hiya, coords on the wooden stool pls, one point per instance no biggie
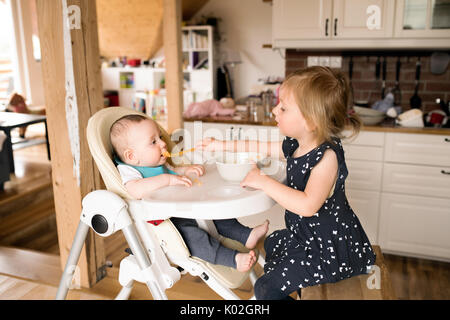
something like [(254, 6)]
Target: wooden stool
[(373, 286)]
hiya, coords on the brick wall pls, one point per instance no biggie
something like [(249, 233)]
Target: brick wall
[(366, 88)]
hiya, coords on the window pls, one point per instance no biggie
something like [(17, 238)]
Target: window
[(35, 31), (6, 50)]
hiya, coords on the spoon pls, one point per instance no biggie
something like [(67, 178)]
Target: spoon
[(178, 154)]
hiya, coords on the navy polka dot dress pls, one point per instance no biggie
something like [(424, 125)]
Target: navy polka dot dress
[(327, 247)]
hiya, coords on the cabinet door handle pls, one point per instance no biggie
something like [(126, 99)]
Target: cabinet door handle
[(335, 27), (231, 133), (326, 27), (445, 172)]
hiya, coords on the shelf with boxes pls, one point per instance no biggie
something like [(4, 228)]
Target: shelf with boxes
[(142, 88)]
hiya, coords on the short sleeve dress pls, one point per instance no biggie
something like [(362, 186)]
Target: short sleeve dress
[(327, 247)]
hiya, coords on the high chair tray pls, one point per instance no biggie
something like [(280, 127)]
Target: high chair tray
[(210, 197)]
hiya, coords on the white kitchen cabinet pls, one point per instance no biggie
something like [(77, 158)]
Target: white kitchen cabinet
[(364, 138), (417, 180), (261, 133), (302, 19), (197, 130), (366, 205), (357, 24), (364, 159), (422, 19), (332, 19), (414, 225), (356, 19), (366, 146), (364, 175), (418, 149), (415, 199)]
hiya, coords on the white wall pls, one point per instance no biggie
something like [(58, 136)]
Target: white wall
[(245, 26)]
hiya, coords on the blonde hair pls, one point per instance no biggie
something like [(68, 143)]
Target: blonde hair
[(323, 96)]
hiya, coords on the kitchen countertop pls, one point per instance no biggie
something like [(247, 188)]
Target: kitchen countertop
[(385, 126)]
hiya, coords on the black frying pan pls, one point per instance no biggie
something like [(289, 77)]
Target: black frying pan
[(416, 101)]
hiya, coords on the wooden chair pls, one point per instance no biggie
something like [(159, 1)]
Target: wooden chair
[(374, 286), (18, 104)]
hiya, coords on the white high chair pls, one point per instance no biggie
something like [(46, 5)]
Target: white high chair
[(155, 248)]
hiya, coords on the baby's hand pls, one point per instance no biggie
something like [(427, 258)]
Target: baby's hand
[(210, 144), (254, 178), (179, 180), (197, 169)]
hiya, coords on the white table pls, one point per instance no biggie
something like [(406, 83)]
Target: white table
[(212, 198)]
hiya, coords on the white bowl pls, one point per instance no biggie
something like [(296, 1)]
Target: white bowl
[(371, 121), (369, 116), (235, 166), (368, 112)]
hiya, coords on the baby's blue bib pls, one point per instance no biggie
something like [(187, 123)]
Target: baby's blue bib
[(148, 172)]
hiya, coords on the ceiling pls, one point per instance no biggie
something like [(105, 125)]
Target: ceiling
[(133, 28), (190, 7)]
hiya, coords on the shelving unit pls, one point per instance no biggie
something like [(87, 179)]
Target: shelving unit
[(198, 61), (198, 72)]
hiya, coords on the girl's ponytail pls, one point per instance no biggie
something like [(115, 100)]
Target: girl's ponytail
[(354, 121)]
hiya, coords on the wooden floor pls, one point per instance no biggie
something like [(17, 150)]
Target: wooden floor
[(29, 261)]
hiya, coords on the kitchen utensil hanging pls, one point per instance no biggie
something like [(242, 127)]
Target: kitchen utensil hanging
[(396, 92), (350, 76), (377, 74), (416, 101), (383, 85)]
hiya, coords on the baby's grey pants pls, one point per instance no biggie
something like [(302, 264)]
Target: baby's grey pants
[(206, 247)]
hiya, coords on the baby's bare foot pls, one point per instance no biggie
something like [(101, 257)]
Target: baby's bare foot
[(256, 234), (244, 261)]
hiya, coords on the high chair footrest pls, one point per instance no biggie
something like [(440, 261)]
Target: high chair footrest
[(129, 270), (229, 277)]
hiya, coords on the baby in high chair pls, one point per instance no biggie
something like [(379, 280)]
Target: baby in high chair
[(141, 161), (324, 241)]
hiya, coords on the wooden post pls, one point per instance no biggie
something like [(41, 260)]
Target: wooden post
[(173, 57), (73, 92)]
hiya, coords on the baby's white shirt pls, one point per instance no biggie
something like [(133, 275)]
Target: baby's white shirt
[(128, 173)]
